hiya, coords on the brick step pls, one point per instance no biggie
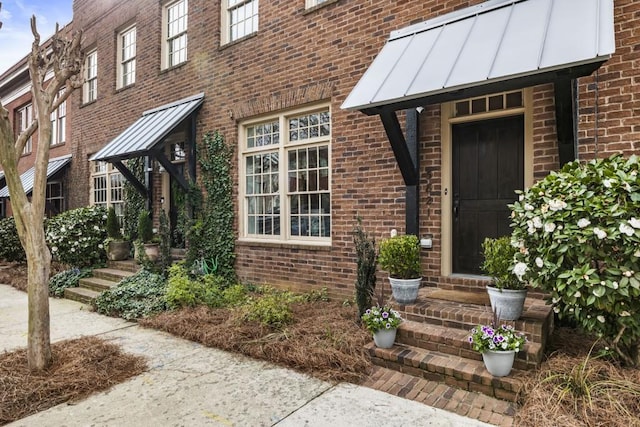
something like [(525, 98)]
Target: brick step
[(454, 341), (476, 284), (456, 371), (125, 265), (97, 284), (113, 274), (83, 295), (464, 310)]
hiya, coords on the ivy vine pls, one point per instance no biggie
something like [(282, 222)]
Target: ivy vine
[(134, 202), (211, 237)]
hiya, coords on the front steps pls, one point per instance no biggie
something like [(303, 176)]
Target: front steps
[(103, 278), (432, 343)]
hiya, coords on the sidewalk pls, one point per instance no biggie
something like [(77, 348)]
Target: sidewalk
[(188, 384)]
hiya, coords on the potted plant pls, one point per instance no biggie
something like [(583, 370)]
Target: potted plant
[(498, 346), (507, 292), (146, 238), (117, 248), (400, 257), (383, 322)]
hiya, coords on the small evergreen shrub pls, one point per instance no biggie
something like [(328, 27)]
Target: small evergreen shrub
[(234, 296), (145, 227), (66, 279), (76, 237), (499, 258), (10, 246), (186, 291), (400, 257), (366, 268), (272, 310), (113, 227), (136, 296)]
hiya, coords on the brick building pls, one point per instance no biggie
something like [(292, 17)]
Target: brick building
[(16, 97), (273, 76)]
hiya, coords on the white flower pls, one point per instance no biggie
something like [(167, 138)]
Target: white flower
[(549, 227), (62, 230), (521, 197), (625, 314), (95, 227), (637, 253), (54, 249), (583, 222), (600, 319), (625, 229), (520, 269), (556, 310), (614, 285), (537, 222), (607, 182), (539, 262), (528, 207), (577, 294), (627, 187), (556, 204), (628, 273), (600, 233), (544, 208), (100, 245), (634, 222), (531, 230)]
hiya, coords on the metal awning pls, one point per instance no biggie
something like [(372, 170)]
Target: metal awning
[(149, 130), (27, 177), (497, 45)]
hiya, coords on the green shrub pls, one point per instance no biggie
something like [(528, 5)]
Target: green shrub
[(366, 268), (234, 296), (186, 291), (67, 279), (137, 296), (578, 231), (145, 227), (113, 227), (10, 246), (499, 255), (76, 237), (273, 309), (400, 257)]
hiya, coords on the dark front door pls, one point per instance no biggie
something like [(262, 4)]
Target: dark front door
[(488, 166)]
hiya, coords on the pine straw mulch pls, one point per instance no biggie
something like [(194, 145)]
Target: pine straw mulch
[(15, 273), (574, 389), (80, 367), (323, 341)]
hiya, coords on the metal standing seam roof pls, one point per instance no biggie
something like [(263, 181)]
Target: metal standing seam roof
[(494, 41), (149, 129), (28, 177)]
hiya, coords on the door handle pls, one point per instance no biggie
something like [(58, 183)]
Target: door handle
[(456, 208)]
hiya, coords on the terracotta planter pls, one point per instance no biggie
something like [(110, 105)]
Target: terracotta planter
[(384, 338), (499, 363), (152, 250), (405, 291), (507, 303), (118, 250)]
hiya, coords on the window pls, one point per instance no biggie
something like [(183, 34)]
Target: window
[(286, 174), (240, 18), (24, 117), (90, 87), (3, 209), (489, 103), (107, 187), (54, 198), (59, 123), (312, 3), (127, 57), (175, 33)]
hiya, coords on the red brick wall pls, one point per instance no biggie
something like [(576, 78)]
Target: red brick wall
[(299, 57)]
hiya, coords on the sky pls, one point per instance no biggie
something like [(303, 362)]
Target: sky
[(15, 34)]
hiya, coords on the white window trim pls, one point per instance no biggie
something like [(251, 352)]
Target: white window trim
[(58, 122), (90, 86), (282, 149), (225, 25), (313, 3), (121, 62), (165, 34), (26, 117), (61, 197), (107, 173)]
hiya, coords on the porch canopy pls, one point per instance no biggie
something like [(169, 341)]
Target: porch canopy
[(27, 178), (146, 136)]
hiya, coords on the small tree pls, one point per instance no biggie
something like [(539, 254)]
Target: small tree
[(578, 234), (145, 227), (113, 226), (63, 59), (366, 268)]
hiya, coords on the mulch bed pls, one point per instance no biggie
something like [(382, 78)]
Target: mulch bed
[(80, 367), (324, 341), (15, 273)]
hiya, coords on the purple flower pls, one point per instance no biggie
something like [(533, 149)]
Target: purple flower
[(368, 311), (498, 339), (385, 315)]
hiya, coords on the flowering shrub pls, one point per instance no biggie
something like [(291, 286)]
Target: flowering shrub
[(503, 338), (10, 246), (578, 235), (76, 237), (377, 318)]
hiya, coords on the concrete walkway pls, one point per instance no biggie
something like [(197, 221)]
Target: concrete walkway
[(188, 384)]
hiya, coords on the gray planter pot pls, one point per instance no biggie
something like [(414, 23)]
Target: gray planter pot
[(499, 363), (384, 338), (405, 291), (507, 303), (118, 250)]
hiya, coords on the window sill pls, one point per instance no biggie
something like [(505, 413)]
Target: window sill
[(319, 6), (173, 67), (238, 41), (85, 104), (257, 243), (123, 88)]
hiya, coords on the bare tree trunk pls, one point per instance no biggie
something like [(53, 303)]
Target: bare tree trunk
[(39, 266)]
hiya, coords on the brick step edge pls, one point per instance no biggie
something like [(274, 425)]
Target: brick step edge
[(111, 274), (455, 342), (97, 284), (83, 295), (465, 374)]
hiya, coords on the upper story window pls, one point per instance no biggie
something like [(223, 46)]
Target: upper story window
[(23, 118), (240, 18), (285, 177), (127, 57), (312, 3), (90, 87), (59, 124), (175, 33)]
